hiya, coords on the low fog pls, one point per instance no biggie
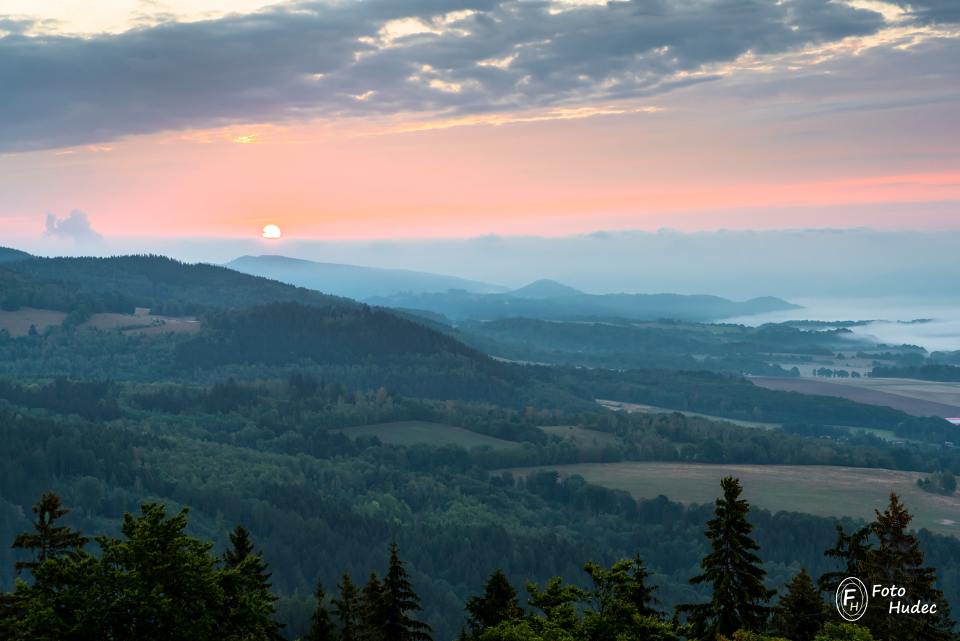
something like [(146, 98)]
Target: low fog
[(854, 263)]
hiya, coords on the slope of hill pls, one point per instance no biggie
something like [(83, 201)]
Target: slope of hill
[(545, 288), (546, 300), (121, 283), (9, 255), (352, 281)]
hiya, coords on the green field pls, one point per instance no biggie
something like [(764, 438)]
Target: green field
[(653, 409), (814, 489), (582, 437), (414, 432)]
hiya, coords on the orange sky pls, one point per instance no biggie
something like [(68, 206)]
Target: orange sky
[(812, 139)]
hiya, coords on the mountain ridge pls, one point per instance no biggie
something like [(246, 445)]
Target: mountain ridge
[(353, 281)]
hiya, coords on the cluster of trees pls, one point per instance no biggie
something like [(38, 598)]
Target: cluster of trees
[(943, 482), (157, 582), (736, 397), (621, 344), (153, 583), (826, 372)]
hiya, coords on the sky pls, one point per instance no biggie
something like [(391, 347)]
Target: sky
[(158, 122)]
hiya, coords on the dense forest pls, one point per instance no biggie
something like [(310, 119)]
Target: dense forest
[(668, 344), (155, 581), (247, 421)]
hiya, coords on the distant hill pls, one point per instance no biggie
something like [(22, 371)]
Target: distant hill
[(121, 283), (545, 288), (9, 255), (548, 300), (249, 327), (353, 281)]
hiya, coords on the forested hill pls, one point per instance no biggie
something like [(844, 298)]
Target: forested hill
[(8, 255), (118, 284)]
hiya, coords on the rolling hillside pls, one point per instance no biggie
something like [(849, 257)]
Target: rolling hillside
[(121, 283), (353, 281)]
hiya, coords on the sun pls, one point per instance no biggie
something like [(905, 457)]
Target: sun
[(271, 231)]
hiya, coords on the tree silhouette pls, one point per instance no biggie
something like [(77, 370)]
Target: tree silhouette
[(398, 601), (733, 570), (48, 540), (801, 612), (497, 604)]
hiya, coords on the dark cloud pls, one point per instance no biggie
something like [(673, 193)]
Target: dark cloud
[(75, 226), (312, 59), (933, 11)]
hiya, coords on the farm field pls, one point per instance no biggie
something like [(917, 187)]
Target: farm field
[(813, 489), (438, 434), (919, 398), (17, 323), (142, 323), (935, 391), (652, 409)]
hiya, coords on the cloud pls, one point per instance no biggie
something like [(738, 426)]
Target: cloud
[(75, 226), (314, 59)]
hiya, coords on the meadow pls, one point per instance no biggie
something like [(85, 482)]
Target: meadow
[(813, 489)]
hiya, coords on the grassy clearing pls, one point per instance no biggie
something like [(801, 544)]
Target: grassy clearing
[(653, 409), (814, 489), (583, 438), (423, 432)]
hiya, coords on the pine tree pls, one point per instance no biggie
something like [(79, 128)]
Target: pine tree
[(852, 551), (372, 610), (733, 570), (348, 609), (801, 612), (321, 628), (246, 578), (49, 540), (498, 604), (398, 601), (898, 560)]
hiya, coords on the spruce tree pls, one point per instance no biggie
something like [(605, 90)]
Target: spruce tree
[(372, 610), (48, 540), (321, 627), (620, 594), (398, 601), (733, 570), (898, 560), (801, 612), (498, 604), (348, 609), (246, 578), (852, 551)]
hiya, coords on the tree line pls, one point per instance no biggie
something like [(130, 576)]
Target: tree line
[(157, 583)]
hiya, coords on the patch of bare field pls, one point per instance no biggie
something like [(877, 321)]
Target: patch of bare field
[(142, 323), (864, 391), (935, 391), (18, 323)]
